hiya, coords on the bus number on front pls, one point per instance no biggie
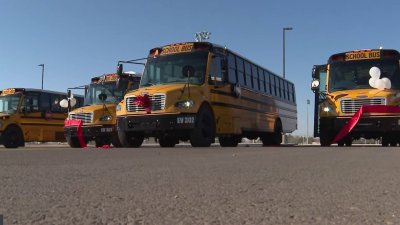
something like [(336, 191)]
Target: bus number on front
[(185, 120)]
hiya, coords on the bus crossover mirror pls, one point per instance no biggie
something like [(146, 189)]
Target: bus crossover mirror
[(315, 72), (188, 71), (120, 68), (315, 85), (102, 97)]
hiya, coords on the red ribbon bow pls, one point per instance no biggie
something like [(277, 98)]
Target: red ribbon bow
[(144, 102)]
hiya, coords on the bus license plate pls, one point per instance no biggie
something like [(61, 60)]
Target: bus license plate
[(106, 130), (185, 120)]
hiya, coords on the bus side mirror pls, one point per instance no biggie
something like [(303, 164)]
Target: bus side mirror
[(315, 72), (120, 68), (68, 93)]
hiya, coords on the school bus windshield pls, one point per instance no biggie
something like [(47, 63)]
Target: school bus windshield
[(355, 74), (9, 103), (167, 69), (110, 89)]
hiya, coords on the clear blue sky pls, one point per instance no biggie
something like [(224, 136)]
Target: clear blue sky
[(78, 39)]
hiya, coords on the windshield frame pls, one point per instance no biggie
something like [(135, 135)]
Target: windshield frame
[(356, 74), (13, 108), (167, 69)]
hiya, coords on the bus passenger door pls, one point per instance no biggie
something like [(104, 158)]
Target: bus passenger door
[(318, 86), (31, 121), (220, 93)]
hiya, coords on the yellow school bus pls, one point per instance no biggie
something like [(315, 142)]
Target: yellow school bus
[(349, 80), (28, 115), (196, 91), (98, 113)]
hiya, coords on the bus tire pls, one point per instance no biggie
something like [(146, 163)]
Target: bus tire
[(167, 142), (275, 138), (325, 139), (231, 141), (73, 142), (134, 140), (204, 132), (13, 137), (115, 141)]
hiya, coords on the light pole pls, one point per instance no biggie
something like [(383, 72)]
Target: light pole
[(308, 103), (284, 31), (42, 65)]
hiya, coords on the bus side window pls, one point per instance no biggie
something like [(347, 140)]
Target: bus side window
[(45, 102), (32, 102), (55, 103), (216, 73), (232, 69)]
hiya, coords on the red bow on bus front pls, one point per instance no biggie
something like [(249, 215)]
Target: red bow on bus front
[(144, 102)]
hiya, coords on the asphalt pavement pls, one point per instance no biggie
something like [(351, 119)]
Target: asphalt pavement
[(54, 184)]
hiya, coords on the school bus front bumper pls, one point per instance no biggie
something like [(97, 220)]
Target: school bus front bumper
[(91, 132), (150, 123)]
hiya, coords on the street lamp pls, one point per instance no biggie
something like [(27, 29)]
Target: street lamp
[(42, 65), (308, 103), (284, 30)]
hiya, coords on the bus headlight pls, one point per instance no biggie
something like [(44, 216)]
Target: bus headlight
[(118, 108), (327, 109), (105, 118), (184, 104)]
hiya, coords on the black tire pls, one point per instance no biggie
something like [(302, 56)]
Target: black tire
[(231, 141), (167, 142), (326, 138), (274, 138), (340, 143), (73, 142), (349, 142), (204, 132), (130, 140), (115, 141), (385, 141), (13, 137)]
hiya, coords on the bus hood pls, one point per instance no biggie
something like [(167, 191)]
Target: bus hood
[(163, 89), (95, 108), (4, 116)]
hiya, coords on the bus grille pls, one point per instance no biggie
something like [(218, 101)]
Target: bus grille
[(157, 103), (85, 117), (353, 105)]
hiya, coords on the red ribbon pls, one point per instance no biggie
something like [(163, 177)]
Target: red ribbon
[(346, 129), (144, 102), (79, 131)]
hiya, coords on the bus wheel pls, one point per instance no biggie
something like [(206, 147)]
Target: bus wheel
[(73, 142), (277, 136), (132, 140), (166, 142), (349, 142), (13, 137), (385, 141), (340, 143), (115, 141), (274, 138), (325, 139), (231, 141), (204, 132)]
